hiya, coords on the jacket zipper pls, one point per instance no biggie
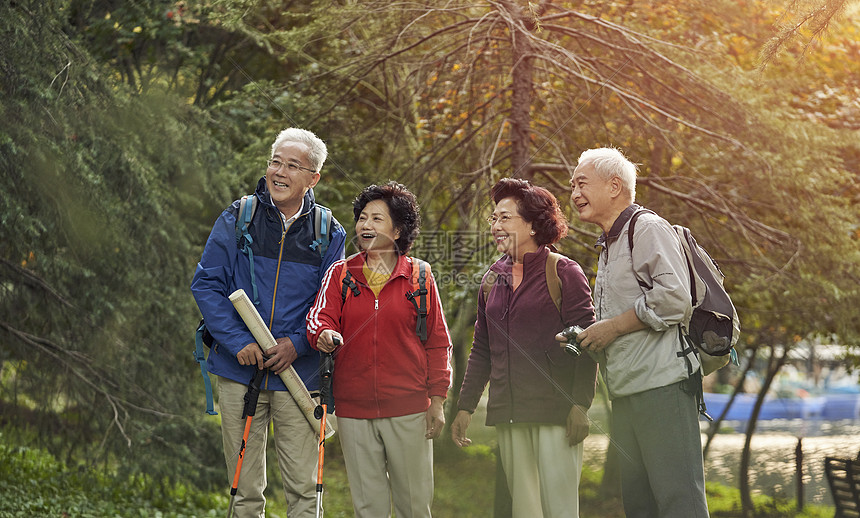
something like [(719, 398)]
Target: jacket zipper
[(509, 296), (275, 290)]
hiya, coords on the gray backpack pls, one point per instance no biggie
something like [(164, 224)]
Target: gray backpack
[(714, 327)]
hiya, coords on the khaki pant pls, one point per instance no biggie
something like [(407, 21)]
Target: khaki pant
[(543, 471), (295, 441), (388, 459)]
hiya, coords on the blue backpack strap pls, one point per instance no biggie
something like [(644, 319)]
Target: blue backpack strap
[(200, 357), (243, 222), (322, 217)]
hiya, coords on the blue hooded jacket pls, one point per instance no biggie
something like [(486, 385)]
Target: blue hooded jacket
[(288, 274)]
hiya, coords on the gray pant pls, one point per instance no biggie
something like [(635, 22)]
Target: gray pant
[(388, 460), (660, 450)]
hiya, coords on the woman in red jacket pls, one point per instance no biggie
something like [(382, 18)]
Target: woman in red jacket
[(539, 395), (389, 384)]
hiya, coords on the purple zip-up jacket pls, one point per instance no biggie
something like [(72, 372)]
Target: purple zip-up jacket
[(532, 380)]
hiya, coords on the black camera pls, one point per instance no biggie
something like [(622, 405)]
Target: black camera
[(572, 346)]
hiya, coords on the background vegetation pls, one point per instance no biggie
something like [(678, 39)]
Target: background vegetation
[(129, 126)]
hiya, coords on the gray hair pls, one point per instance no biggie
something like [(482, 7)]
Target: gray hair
[(608, 163), (317, 151)]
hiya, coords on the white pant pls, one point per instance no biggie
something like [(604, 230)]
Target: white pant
[(295, 441), (543, 471), (388, 459)]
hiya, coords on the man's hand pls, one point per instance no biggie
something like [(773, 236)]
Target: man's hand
[(325, 341), (251, 354), (458, 428), (281, 356), (435, 417), (577, 425), (600, 334)]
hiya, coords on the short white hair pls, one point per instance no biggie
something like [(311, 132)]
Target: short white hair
[(318, 151), (608, 163)]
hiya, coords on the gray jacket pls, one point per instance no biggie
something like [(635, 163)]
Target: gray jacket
[(648, 358)]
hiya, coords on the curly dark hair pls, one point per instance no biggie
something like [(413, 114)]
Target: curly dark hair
[(535, 205), (401, 204)]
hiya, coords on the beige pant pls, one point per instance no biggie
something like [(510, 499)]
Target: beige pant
[(295, 442), (542, 470), (388, 459)]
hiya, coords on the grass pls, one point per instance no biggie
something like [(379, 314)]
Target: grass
[(34, 483)]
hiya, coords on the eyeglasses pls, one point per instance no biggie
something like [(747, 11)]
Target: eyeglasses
[(504, 219), (291, 167)]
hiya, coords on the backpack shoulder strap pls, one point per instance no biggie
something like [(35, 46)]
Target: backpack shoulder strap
[(200, 358), (420, 272), (322, 222), (487, 284), (632, 226), (247, 208), (553, 282), (689, 246), (630, 229), (347, 282)]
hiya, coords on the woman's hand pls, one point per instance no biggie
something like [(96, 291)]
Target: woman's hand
[(577, 425), (325, 342), (435, 417), (458, 428)]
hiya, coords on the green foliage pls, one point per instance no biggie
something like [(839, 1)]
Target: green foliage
[(102, 191), (725, 502), (36, 484), (128, 127)]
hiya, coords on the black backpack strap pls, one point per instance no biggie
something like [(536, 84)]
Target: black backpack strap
[(421, 294), (630, 228), (687, 348), (694, 379), (348, 284), (694, 386)]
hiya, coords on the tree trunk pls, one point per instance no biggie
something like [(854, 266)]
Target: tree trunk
[(521, 102), (715, 426), (522, 72), (774, 365)]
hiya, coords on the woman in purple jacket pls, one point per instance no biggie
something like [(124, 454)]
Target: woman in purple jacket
[(539, 395)]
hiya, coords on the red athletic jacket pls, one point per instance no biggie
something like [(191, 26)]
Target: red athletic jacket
[(382, 369)]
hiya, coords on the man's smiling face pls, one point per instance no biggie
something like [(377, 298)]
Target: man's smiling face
[(590, 195), (288, 188)]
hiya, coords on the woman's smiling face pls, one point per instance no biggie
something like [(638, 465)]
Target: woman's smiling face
[(375, 229), (510, 231)]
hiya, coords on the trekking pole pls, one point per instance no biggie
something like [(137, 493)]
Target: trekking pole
[(326, 367), (248, 412)]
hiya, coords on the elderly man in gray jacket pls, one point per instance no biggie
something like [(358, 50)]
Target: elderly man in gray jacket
[(637, 342)]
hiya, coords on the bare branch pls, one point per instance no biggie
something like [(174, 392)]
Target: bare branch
[(34, 280)]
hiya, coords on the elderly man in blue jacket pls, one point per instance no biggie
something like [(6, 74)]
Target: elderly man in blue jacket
[(285, 276)]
